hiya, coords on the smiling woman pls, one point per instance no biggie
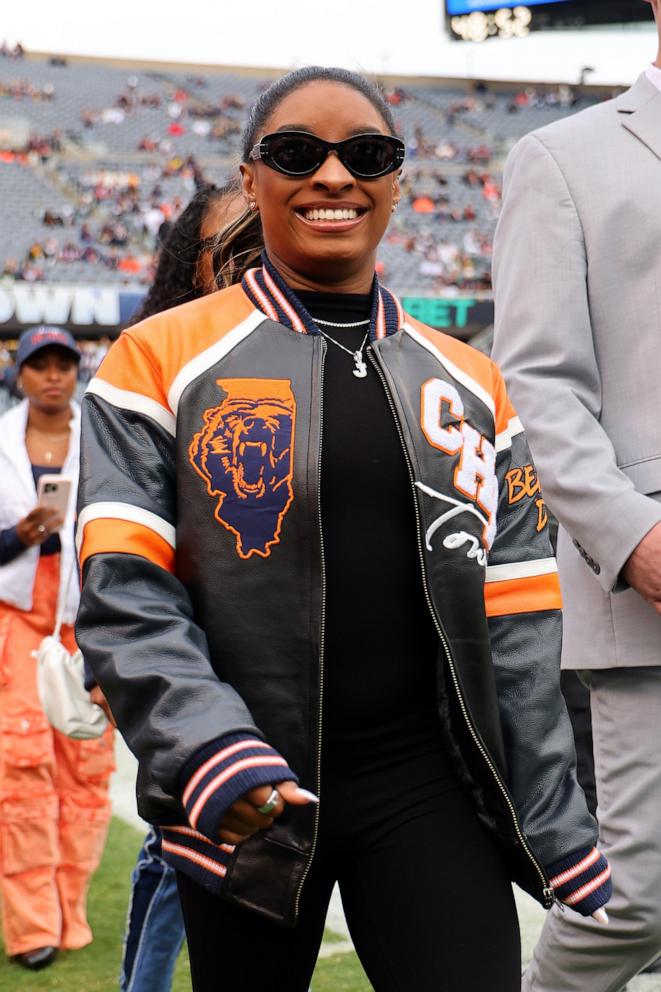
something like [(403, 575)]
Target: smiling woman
[(332, 180), (301, 572)]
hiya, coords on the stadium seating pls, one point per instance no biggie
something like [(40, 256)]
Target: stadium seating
[(112, 151)]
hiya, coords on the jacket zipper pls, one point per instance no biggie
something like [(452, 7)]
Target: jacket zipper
[(547, 891), (322, 633)]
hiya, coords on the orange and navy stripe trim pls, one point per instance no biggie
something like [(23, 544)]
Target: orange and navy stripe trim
[(189, 851), (270, 294), (222, 772), (189, 832), (582, 880), (280, 296)]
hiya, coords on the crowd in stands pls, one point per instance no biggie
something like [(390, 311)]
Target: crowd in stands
[(418, 145), (43, 255), (21, 89), (445, 263), (482, 99), (37, 149), (116, 222), (178, 130), (15, 52), (185, 108), (556, 96)]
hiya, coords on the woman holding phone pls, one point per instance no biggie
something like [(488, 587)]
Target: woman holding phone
[(54, 806), (325, 622)]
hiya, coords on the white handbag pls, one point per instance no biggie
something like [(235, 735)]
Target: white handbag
[(61, 684)]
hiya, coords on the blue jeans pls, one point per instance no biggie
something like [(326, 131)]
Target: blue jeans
[(154, 927)]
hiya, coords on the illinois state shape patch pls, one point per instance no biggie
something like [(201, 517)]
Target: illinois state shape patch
[(245, 454)]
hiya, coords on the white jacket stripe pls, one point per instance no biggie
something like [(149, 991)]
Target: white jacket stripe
[(457, 373), (520, 570), (504, 439), (210, 356), (125, 399)]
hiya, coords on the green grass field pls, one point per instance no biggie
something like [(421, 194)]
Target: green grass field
[(95, 968)]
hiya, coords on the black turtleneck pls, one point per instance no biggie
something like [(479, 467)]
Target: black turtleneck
[(381, 645)]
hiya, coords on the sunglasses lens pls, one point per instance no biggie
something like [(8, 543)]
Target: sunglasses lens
[(369, 155), (300, 154), (296, 155)]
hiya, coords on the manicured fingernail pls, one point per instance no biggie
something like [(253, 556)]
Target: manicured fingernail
[(601, 916), (308, 795)]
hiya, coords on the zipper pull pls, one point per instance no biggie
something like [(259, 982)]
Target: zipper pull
[(550, 899), (549, 896)]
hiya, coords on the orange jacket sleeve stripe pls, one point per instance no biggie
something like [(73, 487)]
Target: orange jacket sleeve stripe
[(525, 595), (104, 535)]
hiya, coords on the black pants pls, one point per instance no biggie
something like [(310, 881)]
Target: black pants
[(425, 893)]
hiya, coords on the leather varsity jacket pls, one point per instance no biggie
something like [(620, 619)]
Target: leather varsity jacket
[(202, 610)]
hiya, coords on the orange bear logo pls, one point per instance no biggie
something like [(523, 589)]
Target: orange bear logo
[(245, 454)]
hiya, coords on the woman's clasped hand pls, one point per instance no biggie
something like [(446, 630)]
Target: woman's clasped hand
[(244, 819)]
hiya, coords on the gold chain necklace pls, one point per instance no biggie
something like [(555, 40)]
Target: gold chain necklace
[(53, 440)]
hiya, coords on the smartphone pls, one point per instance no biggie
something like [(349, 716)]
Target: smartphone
[(53, 492)]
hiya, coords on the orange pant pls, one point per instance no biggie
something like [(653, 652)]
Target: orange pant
[(54, 806)]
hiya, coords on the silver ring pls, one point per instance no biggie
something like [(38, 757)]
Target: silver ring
[(41, 529), (270, 803)]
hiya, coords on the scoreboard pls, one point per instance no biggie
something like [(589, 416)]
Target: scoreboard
[(479, 20), (455, 7)]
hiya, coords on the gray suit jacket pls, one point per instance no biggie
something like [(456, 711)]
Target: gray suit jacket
[(577, 274)]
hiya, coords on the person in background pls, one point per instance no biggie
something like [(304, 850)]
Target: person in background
[(54, 807), (8, 377), (187, 267), (155, 927), (277, 598), (578, 320), (93, 353)]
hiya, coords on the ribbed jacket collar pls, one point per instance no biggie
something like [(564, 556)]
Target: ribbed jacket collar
[(269, 293)]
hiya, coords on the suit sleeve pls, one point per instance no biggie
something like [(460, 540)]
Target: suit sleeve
[(192, 733), (544, 345), (523, 607)]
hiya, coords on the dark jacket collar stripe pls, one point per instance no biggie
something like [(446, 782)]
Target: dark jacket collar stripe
[(269, 293), (257, 296), (286, 305)]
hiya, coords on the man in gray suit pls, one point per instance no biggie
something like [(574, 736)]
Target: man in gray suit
[(577, 274)]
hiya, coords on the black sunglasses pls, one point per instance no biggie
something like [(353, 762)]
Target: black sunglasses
[(297, 153)]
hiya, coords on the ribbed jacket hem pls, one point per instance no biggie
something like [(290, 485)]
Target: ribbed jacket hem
[(222, 772), (582, 880), (188, 851)]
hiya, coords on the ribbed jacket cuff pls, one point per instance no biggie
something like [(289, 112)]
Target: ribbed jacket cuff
[(223, 771), (582, 880)]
